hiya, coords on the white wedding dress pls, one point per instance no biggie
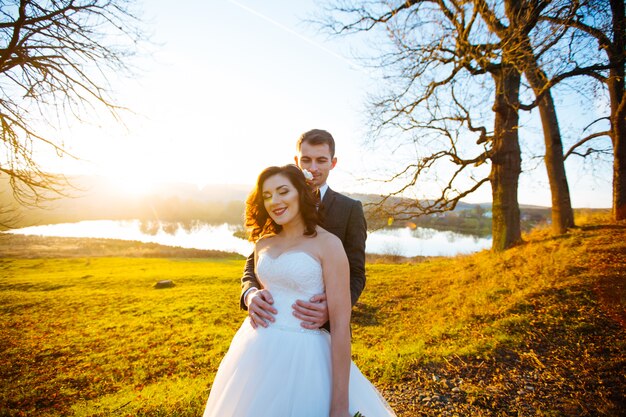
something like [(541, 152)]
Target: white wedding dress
[(284, 370)]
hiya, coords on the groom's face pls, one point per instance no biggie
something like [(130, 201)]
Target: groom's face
[(317, 160)]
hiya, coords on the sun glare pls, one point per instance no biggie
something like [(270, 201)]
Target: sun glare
[(133, 184)]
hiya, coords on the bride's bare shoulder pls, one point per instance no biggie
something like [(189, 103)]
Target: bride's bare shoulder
[(263, 242), (327, 238)]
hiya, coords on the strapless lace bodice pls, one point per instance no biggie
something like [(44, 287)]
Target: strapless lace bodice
[(291, 276)]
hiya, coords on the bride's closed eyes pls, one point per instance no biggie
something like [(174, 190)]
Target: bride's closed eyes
[(282, 190)]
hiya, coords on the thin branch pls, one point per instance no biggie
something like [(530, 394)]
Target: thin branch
[(583, 141)]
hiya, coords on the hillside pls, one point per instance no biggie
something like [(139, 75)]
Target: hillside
[(537, 330)]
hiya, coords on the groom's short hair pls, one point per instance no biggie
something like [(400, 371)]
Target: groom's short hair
[(317, 137)]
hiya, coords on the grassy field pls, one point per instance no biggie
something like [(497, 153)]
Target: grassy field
[(537, 330)]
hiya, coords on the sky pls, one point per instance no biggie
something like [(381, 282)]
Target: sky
[(227, 88)]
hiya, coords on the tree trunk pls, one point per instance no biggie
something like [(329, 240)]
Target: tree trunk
[(562, 213), (618, 133), (615, 83), (506, 160)]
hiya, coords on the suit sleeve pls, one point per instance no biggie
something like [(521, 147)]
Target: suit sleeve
[(356, 233), (248, 280)]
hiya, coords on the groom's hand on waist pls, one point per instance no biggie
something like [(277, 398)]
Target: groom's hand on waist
[(313, 313), (260, 309)]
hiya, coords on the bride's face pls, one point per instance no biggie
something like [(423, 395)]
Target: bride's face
[(281, 199)]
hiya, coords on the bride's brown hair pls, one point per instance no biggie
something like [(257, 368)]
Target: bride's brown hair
[(258, 221)]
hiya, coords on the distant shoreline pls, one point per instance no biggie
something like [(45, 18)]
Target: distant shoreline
[(34, 246)]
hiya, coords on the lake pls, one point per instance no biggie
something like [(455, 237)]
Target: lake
[(396, 241)]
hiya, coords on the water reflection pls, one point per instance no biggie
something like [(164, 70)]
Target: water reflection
[(153, 227), (225, 237), (423, 242), (186, 235)]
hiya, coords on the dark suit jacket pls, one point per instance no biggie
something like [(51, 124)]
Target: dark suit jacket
[(345, 219)]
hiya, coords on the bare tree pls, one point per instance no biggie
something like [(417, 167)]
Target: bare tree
[(442, 48), (56, 57), (505, 39), (605, 22), (526, 55)]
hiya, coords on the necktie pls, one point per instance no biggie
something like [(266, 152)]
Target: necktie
[(318, 198)]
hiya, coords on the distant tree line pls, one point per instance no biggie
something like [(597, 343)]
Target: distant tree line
[(162, 211), (475, 221), (154, 209)]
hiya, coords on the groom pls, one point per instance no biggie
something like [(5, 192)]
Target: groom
[(343, 217)]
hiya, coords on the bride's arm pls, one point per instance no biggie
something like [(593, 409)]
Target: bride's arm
[(260, 300), (336, 272)]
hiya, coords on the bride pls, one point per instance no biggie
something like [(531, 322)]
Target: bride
[(284, 370)]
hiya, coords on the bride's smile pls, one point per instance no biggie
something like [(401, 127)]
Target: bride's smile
[(279, 212)]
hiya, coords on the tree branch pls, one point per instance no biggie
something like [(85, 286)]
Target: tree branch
[(583, 141)]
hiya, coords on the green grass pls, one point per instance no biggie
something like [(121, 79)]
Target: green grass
[(89, 336), (92, 337)]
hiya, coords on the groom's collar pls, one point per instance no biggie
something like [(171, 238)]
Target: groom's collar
[(323, 190)]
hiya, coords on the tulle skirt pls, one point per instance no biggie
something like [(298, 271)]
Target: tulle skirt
[(284, 372)]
